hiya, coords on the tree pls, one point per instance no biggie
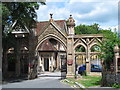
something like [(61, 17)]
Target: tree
[(23, 12), (87, 29), (107, 47)]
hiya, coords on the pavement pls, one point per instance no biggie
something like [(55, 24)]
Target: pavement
[(45, 80)]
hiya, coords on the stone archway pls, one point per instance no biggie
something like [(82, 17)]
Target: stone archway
[(52, 56), (80, 55), (40, 41), (94, 54), (54, 29), (87, 41)]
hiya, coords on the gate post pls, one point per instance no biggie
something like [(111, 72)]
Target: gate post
[(70, 49), (88, 66), (70, 58)]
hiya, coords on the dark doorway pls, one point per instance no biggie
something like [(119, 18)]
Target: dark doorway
[(46, 64), (63, 66), (11, 62), (24, 65)]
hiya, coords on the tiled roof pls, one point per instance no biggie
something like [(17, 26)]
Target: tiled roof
[(46, 46), (41, 25)]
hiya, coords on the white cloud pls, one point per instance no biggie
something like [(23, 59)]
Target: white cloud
[(113, 28), (83, 11), (71, 1), (55, 1)]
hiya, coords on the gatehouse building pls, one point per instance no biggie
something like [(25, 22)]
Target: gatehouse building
[(52, 45)]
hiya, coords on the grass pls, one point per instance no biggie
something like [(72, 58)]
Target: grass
[(88, 81), (71, 83)]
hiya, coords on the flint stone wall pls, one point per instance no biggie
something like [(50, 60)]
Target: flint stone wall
[(112, 78)]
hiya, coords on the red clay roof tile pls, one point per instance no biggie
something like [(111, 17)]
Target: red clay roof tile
[(41, 25)]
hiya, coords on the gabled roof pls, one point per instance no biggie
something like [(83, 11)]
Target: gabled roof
[(58, 23), (46, 46), (22, 28)]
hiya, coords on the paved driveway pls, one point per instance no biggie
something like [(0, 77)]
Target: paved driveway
[(47, 80)]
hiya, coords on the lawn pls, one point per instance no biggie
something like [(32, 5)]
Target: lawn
[(87, 81)]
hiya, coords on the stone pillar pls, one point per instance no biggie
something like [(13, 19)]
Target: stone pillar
[(70, 48), (53, 65), (116, 56), (43, 64), (60, 63), (88, 66), (39, 63), (49, 64), (58, 59), (70, 57)]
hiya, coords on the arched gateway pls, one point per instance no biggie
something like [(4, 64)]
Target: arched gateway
[(56, 40)]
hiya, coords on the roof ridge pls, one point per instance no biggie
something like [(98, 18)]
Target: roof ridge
[(48, 21)]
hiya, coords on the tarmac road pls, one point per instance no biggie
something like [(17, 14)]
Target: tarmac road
[(47, 80)]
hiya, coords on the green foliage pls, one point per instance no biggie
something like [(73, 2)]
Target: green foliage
[(116, 85), (95, 48), (5, 13), (87, 29), (23, 12), (80, 49), (107, 47)]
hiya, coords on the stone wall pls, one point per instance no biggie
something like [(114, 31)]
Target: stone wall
[(110, 78)]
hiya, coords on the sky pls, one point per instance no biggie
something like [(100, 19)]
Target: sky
[(88, 12)]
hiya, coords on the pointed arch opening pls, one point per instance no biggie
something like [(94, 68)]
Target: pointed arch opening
[(80, 48), (80, 54), (50, 53), (95, 48), (94, 58)]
